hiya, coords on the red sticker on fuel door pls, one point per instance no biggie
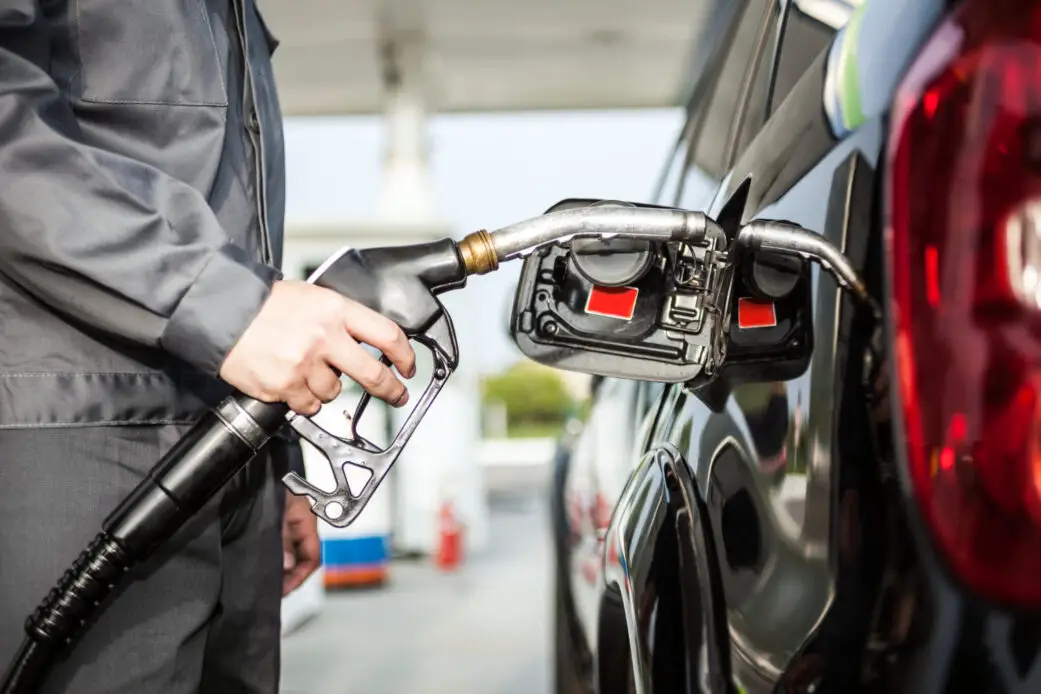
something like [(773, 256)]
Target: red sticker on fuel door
[(755, 314), (614, 302)]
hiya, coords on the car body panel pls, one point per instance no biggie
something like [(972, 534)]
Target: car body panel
[(785, 515), (790, 572), (767, 465)]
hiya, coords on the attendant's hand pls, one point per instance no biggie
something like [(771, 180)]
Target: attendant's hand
[(301, 548), (302, 336)]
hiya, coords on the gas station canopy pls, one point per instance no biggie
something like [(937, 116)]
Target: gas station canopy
[(339, 57)]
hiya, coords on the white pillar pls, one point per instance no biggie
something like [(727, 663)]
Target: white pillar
[(406, 195)]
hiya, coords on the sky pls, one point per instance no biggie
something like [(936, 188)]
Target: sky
[(487, 171)]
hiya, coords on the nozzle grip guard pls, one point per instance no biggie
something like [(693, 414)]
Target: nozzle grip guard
[(401, 283)]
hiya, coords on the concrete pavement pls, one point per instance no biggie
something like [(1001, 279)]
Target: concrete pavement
[(482, 630)]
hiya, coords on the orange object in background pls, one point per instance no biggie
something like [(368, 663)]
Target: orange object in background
[(363, 577), (449, 552)]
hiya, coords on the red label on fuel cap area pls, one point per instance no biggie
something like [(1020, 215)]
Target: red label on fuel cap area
[(613, 302), (755, 314)]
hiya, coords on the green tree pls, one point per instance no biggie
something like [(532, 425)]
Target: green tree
[(536, 399)]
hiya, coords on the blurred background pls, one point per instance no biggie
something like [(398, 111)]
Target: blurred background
[(420, 119)]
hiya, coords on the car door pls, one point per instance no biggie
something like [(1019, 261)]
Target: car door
[(770, 535)]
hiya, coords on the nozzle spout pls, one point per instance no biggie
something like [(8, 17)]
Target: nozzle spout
[(483, 251)]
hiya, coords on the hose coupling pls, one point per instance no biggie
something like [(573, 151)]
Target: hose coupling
[(478, 253)]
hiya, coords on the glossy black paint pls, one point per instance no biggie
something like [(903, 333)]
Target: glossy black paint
[(795, 556), (778, 465)]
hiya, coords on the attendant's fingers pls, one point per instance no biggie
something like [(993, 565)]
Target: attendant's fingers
[(367, 371)]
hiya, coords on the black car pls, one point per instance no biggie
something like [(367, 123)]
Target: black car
[(852, 510)]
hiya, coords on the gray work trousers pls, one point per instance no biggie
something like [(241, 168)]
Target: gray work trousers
[(202, 615)]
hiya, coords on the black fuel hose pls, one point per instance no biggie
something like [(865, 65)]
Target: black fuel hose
[(179, 485)]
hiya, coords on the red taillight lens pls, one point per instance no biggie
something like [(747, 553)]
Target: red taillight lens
[(964, 249)]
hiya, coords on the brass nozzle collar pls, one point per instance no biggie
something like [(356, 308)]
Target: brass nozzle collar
[(478, 253)]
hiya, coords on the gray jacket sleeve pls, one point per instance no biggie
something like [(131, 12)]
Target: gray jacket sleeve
[(106, 240)]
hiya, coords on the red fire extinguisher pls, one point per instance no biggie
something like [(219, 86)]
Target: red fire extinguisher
[(450, 539)]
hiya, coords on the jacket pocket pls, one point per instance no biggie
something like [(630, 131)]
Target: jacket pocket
[(147, 52)]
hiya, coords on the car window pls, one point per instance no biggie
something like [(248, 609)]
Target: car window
[(672, 172), (711, 143), (711, 120), (752, 114), (695, 185), (809, 28)]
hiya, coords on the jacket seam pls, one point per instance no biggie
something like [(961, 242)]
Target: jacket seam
[(148, 102)]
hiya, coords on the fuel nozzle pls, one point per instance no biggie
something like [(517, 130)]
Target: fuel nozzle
[(594, 232), (791, 240)]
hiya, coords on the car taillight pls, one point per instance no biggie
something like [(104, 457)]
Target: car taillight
[(964, 252)]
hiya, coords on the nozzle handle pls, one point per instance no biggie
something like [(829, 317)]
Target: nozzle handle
[(399, 282)]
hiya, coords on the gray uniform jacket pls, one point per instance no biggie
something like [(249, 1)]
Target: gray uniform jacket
[(141, 204)]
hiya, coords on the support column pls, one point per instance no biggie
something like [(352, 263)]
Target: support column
[(406, 194)]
